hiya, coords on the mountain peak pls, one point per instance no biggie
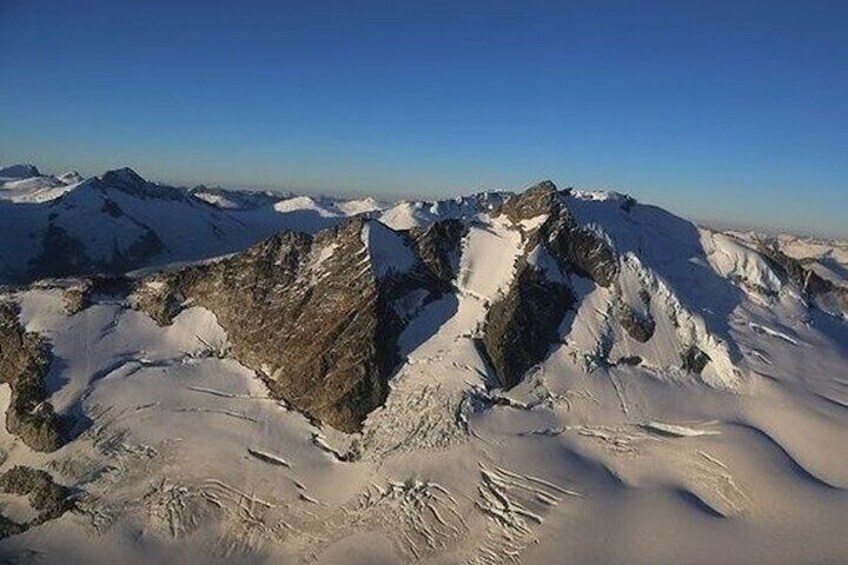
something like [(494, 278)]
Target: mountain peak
[(123, 178), (128, 181), (545, 186), (23, 171), (541, 198)]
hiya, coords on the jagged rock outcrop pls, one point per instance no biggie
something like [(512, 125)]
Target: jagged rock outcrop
[(804, 278), (24, 362), (79, 293), (638, 326), (45, 496), (318, 317), (521, 326), (637, 319), (71, 177), (536, 201), (438, 247), (576, 248), (694, 360)]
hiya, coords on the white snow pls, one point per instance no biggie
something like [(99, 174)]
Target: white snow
[(33, 190), (387, 249), (488, 259), (731, 259), (299, 203), (678, 430)]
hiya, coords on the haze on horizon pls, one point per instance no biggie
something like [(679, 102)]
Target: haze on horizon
[(725, 113)]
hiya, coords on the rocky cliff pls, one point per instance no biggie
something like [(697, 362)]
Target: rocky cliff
[(319, 316)]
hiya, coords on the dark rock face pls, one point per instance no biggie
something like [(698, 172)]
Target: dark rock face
[(629, 360), (807, 280), (78, 297), (24, 361), (10, 527), (638, 326), (576, 249), (535, 201), (694, 360), (49, 499), (585, 253), (521, 326), (311, 314), (438, 246), (111, 208)]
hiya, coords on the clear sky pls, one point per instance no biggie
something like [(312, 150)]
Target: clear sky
[(730, 111)]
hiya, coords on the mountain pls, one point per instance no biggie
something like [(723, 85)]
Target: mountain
[(19, 172), (497, 378), (60, 226)]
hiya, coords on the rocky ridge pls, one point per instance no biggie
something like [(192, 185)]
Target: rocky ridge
[(24, 361), (318, 317)]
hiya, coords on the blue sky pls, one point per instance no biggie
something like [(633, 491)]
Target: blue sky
[(729, 111)]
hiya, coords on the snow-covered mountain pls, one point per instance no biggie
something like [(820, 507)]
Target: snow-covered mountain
[(59, 226), (499, 378)]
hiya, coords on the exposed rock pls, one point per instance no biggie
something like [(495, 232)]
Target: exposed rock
[(71, 177), (49, 499), (313, 315), (520, 327), (24, 361), (575, 248), (438, 246), (630, 360), (581, 250), (61, 255), (78, 296), (638, 326), (807, 280), (140, 252), (111, 208), (627, 202), (10, 527), (533, 202), (694, 360)]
